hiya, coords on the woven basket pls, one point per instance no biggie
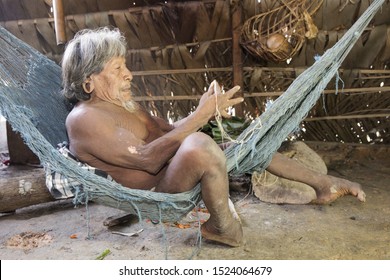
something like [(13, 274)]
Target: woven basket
[(278, 35)]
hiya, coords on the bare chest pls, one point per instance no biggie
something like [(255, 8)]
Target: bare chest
[(142, 126)]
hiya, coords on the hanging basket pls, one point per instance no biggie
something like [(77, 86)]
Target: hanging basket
[(278, 35)]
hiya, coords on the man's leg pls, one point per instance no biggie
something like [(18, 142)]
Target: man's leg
[(199, 159), (328, 188)]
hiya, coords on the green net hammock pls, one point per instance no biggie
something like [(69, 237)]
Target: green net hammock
[(30, 100)]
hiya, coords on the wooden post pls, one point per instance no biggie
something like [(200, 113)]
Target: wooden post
[(236, 9), (59, 21), (19, 152)]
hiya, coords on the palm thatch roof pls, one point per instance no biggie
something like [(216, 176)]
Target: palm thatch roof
[(176, 48)]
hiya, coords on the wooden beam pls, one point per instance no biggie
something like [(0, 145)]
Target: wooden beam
[(59, 22), (327, 91), (347, 117), (180, 71), (236, 8), (193, 44), (166, 98), (261, 94), (386, 73)]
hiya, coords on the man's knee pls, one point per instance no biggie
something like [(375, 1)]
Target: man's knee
[(201, 146)]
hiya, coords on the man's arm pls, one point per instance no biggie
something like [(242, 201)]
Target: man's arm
[(217, 98)]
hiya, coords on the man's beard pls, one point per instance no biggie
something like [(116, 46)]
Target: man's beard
[(130, 106)]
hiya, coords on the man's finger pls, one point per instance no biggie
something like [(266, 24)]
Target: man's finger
[(217, 88), (235, 101), (232, 91), (212, 85)]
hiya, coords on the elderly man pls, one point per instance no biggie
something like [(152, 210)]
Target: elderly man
[(111, 132)]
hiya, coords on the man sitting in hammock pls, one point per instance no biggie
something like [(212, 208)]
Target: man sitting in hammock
[(111, 132)]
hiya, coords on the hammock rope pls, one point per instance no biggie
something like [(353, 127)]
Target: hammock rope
[(30, 100)]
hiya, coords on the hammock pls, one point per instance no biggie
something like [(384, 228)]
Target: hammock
[(29, 99)]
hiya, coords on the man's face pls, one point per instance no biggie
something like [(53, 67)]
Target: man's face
[(113, 83)]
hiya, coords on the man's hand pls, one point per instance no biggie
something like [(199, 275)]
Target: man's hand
[(215, 100)]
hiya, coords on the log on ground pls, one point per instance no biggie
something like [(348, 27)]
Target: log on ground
[(22, 186)]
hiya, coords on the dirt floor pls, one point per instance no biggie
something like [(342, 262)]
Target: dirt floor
[(345, 229)]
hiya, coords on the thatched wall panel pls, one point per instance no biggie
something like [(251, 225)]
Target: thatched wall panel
[(203, 55), (177, 16), (25, 32), (96, 20), (165, 87), (74, 24), (94, 6), (362, 130), (385, 55), (23, 9), (156, 27), (47, 37), (133, 38), (215, 26), (221, 21), (148, 34), (33, 9), (179, 39), (367, 49), (203, 24)]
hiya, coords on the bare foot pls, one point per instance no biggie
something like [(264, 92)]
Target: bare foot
[(337, 187), (231, 234)]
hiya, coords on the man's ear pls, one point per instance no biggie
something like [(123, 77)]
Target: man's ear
[(88, 85)]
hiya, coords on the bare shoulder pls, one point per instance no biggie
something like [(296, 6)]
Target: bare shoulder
[(85, 117)]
